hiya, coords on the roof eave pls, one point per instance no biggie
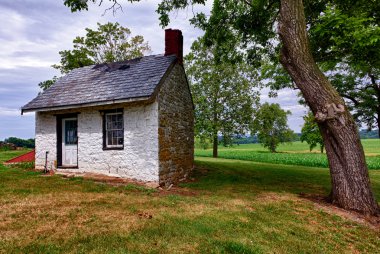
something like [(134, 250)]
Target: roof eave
[(83, 105)]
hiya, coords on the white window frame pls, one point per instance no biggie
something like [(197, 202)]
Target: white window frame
[(107, 146)]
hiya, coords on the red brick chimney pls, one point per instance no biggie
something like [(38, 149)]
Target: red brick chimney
[(174, 44)]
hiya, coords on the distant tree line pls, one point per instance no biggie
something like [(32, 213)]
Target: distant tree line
[(19, 142), (365, 134)]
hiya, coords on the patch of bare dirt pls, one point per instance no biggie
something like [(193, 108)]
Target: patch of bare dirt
[(272, 197), (117, 181), (176, 191), (112, 180), (145, 215), (322, 203)]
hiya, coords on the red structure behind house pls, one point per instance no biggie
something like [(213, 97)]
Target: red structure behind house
[(27, 157)]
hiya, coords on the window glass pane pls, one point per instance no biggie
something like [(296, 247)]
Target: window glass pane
[(71, 134), (109, 138), (114, 125), (114, 129), (108, 122)]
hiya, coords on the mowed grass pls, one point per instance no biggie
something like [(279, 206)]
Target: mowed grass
[(295, 153), (230, 207)]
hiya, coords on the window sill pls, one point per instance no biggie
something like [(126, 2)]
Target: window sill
[(67, 167), (113, 148)]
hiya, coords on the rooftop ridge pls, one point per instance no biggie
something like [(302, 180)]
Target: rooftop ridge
[(134, 78)]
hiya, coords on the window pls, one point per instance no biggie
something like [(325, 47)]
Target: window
[(113, 130), (71, 135)]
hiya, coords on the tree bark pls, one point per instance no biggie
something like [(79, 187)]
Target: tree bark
[(378, 109), (215, 137), (215, 146), (349, 174), (377, 91)]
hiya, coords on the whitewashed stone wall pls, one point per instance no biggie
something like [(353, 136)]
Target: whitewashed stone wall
[(139, 158), (46, 140)]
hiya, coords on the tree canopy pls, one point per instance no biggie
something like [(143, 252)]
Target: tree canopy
[(271, 126), (223, 95), (47, 83), (110, 42), (310, 133), (345, 45)]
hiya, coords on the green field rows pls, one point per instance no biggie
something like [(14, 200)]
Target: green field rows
[(296, 153)]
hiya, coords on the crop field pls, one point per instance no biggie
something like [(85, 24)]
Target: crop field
[(295, 153)]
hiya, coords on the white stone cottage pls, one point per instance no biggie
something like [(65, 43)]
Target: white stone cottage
[(131, 119)]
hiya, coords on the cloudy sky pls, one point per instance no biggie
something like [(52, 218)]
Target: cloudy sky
[(34, 31)]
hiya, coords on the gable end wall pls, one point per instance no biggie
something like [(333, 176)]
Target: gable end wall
[(176, 128)]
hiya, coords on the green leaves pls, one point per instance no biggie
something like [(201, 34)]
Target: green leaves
[(109, 43), (310, 133), (222, 92), (47, 83), (271, 126), (77, 5), (339, 36)]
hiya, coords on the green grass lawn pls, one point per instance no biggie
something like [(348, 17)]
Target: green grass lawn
[(295, 153), (231, 207)]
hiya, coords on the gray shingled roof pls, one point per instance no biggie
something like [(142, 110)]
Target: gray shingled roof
[(132, 79)]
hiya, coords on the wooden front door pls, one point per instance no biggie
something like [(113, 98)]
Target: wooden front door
[(69, 142)]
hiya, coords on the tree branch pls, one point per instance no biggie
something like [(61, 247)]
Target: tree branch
[(247, 2), (115, 7), (351, 98)]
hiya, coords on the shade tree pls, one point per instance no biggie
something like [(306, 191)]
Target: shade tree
[(259, 23)]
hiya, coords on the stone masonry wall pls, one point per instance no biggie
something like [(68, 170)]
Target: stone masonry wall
[(139, 158), (46, 140), (176, 128)]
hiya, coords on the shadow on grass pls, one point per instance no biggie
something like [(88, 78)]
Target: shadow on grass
[(246, 178), (243, 177)]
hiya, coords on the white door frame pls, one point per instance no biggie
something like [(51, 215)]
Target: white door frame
[(75, 162)]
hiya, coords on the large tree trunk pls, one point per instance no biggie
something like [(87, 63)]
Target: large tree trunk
[(349, 174)]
